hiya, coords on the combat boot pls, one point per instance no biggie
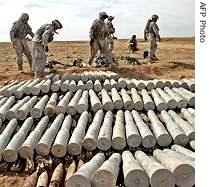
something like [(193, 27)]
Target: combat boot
[(152, 60), (37, 77), (20, 69), (89, 63), (155, 58)]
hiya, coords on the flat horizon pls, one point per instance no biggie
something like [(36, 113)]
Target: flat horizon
[(169, 37)]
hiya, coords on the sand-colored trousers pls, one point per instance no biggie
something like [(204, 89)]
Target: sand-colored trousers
[(39, 58), (20, 49), (152, 47), (102, 46)]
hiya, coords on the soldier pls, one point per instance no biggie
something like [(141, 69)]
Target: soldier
[(18, 33), (40, 41), (98, 37), (132, 44), (153, 33), (111, 28)]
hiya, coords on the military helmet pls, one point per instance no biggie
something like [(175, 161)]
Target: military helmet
[(110, 17), (103, 14), (57, 24), (154, 16), (24, 16), (134, 36)]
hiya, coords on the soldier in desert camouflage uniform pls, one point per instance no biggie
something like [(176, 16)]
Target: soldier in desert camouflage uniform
[(153, 33), (133, 44), (18, 33), (98, 38), (40, 41), (111, 28)]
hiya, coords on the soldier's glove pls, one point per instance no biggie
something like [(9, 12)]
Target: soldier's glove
[(91, 42), (145, 36), (46, 49), (14, 44), (159, 39)]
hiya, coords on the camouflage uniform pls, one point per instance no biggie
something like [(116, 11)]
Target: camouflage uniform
[(111, 32), (153, 32), (40, 41), (146, 29), (132, 44), (18, 33), (98, 38)]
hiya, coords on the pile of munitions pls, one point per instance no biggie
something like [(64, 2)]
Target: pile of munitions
[(101, 62), (98, 129)]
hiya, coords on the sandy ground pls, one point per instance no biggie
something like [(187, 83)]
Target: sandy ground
[(177, 60)]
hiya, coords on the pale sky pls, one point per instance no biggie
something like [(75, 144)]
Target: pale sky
[(176, 17)]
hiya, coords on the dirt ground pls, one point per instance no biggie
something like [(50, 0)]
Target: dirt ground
[(177, 60)]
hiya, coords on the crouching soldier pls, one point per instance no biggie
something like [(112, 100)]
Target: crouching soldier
[(132, 44), (18, 33), (40, 41)]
